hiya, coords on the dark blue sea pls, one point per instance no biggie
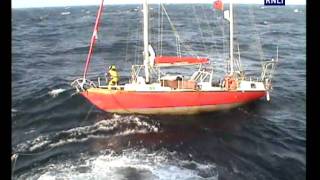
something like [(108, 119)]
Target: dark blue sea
[(57, 134)]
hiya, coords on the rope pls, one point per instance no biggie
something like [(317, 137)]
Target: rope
[(89, 112)]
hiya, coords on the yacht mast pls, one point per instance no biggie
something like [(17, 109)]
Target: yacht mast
[(231, 37), (94, 38), (146, 40)]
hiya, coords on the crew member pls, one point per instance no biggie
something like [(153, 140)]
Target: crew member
[(113, 75)]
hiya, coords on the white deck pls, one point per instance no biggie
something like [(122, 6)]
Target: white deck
[(244, 85)]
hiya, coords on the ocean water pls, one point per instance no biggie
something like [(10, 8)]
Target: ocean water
[(59, 135)]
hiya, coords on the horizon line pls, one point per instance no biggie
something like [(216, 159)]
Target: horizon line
[(112, 4)]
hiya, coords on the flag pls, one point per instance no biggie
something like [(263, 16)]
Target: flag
[(218, 5), (226, 15)]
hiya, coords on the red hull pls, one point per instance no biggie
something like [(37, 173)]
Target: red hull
[(185, 102)]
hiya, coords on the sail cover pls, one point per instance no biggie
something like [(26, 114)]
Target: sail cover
[(176, 60)]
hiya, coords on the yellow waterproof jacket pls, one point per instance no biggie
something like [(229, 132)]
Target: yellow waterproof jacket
[(114, 75)]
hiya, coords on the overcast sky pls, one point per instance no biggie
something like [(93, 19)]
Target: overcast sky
[(51, 3)]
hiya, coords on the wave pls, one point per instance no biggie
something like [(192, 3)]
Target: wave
[(117, 126), (131, 163), (49, 51), (65, 13), (56, 92)]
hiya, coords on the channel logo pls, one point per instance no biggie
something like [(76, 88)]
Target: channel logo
[(274, 2)]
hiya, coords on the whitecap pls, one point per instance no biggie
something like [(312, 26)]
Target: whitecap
[(160, 165), (65, 13), (56, 92), (118, 126)]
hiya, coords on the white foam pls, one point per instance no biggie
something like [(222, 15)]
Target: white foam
[(65, 13), (156, 165), (31, 131), (118, 126), (13, 112), (39, 145), (56, 92)]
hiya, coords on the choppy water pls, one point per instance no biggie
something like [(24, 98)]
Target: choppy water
[(61, 136)]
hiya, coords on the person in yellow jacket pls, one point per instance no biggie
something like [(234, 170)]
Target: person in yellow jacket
[(113, 75)]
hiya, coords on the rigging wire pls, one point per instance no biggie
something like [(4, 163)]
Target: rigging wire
[(224, 47), (159, 27), (258, 40), (161, 32), (124, 20), (212, 49), (219, 21), (176, 32), (178, 47), (151, 25), (138, 42), (127, 43), (199, 26), (237, 61)]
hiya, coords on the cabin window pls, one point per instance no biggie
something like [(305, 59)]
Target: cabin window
[(253, 85)]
